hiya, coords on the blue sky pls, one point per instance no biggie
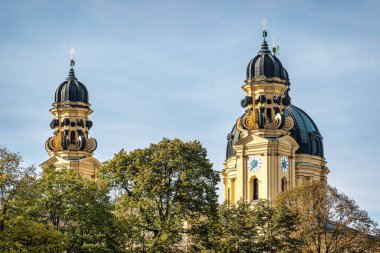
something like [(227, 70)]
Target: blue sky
[(172, 69)]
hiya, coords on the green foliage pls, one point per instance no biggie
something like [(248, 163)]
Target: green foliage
[(19, 229), (80, 208), (23, 235), (163, 188), (257, 228), (59, 211), (14, 183), (239, 228), (164, 200)]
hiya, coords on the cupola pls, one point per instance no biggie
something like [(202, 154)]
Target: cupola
[(71, 90), (266, 64)]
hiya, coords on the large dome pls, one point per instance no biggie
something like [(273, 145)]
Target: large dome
[(266, 64), (305, 132), (71, 90)]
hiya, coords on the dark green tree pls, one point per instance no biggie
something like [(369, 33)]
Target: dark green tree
[(167, 192), (20, 230), (22, 234), (238, 224), (80, 208), (257, 227)]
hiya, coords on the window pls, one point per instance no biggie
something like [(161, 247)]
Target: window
[(283, 184), (72, 137), (269, 115), (255, 189)]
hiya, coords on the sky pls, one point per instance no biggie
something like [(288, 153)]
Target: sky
[(174, 69)]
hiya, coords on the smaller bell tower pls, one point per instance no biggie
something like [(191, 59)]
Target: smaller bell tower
[(71, 145)]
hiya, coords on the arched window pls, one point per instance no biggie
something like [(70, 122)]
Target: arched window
[(269, 115), (255, 189), (72, 137), (284, 184)]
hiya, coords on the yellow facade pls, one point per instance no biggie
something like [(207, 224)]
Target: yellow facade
[(266, 160), (238, 179), (70, 146)]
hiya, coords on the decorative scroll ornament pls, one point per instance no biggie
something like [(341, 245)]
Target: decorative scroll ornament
[(239, 127), (247, 122), (289, 123), (91, 145), (53, 144)]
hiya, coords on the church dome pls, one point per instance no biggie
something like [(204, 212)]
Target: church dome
[(71, 90), (267, 65), (305, 132)]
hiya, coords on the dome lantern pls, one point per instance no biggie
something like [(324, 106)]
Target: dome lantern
[(266, 64), (71, 90)]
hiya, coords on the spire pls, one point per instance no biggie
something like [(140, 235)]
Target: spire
[(72, 63), (264, 47), (72, 52), (264, 23)]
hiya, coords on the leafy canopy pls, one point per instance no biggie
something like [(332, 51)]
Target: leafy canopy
[(165, 190), (329, 221)]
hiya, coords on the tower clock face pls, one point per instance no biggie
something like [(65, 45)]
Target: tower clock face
[(284, 163), (254, 163)]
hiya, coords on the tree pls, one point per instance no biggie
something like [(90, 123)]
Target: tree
[(13, 179), (329, 221), (165, 192), (21, 234), (19, 229), (257, 228), (238, 228), (80, 208)]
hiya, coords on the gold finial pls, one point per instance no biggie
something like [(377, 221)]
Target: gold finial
[(72, 52)]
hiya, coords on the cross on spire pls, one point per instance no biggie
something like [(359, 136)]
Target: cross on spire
[(72, 52), (264, 22)]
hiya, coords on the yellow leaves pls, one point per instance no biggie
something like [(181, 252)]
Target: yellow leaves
[(3, 176), (328, 219)]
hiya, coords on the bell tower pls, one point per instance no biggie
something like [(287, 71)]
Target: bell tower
[(272, 139), (71, 146)]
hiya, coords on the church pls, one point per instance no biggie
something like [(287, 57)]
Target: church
[(274, 146)]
